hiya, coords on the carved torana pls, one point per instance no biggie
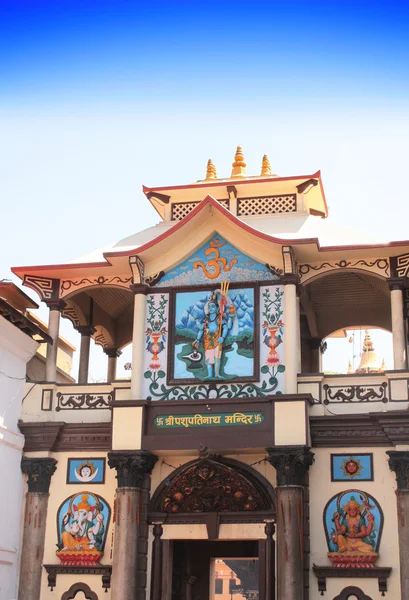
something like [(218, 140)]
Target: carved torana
[(39, 472), (291, 463), (209, 486), (131, 467)]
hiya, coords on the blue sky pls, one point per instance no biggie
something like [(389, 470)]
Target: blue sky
[(100, 97)]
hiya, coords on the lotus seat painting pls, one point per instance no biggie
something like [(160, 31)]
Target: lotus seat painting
[(226, 463)]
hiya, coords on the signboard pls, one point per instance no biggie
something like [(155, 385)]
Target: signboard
[(206, 420)]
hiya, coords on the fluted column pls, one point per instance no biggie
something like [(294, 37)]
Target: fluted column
[(131, 469), (138, 340), (398, 323), (86, 332), (39, 471), (113, 354), (290, 335), (53, 332), (291, 464), (399, 463)]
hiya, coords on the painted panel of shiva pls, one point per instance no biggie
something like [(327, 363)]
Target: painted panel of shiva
[(214, 335)]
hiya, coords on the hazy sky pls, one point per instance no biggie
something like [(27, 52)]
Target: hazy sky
[(98, 97)]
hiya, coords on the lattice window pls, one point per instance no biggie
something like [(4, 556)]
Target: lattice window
[(181, 209), (266, 206)]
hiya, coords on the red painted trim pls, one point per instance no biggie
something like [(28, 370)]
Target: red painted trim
[(216, 205), (226, 182)]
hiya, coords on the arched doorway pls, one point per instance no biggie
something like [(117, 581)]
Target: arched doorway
[(215, 516)]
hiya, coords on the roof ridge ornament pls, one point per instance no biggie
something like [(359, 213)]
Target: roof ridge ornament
[(265, 166), (210, 170), (239, 166)]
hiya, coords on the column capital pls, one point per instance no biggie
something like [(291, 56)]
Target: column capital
[(131, 467), (399, 463), (56, 304), (291, 463), (87, 330), (396, 283), (39, 471), (290, 279), (112, 352), (139, 288), (315, 343)]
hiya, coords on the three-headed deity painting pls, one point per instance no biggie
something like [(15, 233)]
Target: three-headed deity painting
[(214, 334), (82, 521), (353, 522)]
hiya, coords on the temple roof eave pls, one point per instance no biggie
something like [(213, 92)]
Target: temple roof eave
[(306, 249)]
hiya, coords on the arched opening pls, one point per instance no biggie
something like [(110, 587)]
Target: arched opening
[(363, 350), (104, 314), (339, 301), (234, 505)]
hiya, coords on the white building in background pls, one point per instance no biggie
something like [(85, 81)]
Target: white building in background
[(17, 347)]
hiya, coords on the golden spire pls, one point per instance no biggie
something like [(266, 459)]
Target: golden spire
[(265, 166), (369, 361), (210, 170), (239, 166), (368, 345)]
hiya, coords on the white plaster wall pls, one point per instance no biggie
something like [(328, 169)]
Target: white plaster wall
[(383, 489), (60, 491), (16, 348)]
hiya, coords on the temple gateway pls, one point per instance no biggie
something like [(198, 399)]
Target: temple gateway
[(227, 466)]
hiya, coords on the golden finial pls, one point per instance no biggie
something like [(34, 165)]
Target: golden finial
[(210, 170), (265, 166), (239, 166)]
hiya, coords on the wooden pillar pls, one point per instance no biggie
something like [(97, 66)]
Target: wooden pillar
[(291, 464), (315, 349), (86, 332), (53, 332), (399, 463), (398, 323), (39, 472), (131, 469), (270, 561), (113, 354), (157, 559)]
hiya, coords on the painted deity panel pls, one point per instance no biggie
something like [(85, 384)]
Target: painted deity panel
[(82, 522), (88, 470), (348, 467), (214, 335), (353, 522), (248, 362), (214, 262)]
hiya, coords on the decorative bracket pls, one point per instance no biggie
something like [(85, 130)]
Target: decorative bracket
[(103, 570), (381, 573)]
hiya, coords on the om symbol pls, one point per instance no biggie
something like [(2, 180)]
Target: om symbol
[(217, 264)]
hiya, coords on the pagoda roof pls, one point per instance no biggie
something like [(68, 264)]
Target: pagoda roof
[(246, 187)]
